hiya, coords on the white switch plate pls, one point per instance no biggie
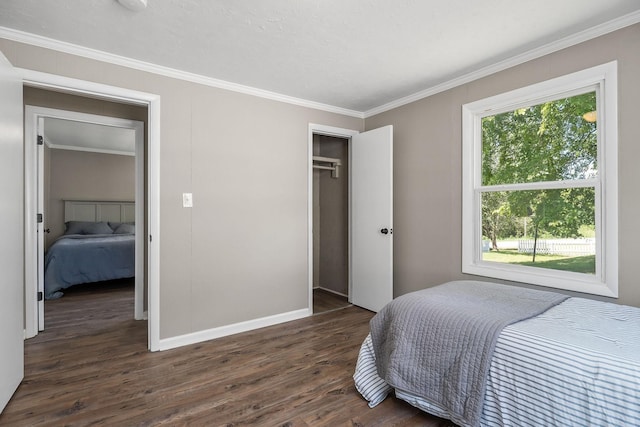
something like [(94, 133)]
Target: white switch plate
[(187, 200)]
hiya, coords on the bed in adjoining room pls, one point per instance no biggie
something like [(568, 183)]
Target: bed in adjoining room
[(98, 248), (485, 354)]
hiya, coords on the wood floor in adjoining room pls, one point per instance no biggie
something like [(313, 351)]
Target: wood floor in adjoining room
[(91, 367)]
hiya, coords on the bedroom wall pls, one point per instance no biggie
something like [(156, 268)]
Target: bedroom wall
[(78, 175), (241, 252), (428, 158)]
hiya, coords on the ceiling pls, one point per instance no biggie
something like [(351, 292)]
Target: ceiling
[(75, 135), (354, 55)]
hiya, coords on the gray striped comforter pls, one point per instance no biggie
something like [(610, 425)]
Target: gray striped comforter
[(577, 364), (437, 343)]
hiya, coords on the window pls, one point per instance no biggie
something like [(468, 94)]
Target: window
[(540, 184)]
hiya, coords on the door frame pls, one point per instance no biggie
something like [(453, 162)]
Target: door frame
[(33, 168), (117, 94), (317, 129)]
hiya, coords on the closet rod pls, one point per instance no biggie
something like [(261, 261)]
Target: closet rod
[(327, 160), (335, 164)]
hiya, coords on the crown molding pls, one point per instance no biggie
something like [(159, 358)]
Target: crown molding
[(574, 39), (98, 55)]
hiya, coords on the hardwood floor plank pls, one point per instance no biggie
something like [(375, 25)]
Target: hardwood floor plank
[(91, 367)]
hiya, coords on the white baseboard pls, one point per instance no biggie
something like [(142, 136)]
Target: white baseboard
[(223, 331)]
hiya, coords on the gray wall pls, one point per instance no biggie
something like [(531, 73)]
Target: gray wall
[(427, 163), (85, 176), (241, 252)]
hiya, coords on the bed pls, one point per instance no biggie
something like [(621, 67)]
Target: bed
[(484, 354), (92, 248)]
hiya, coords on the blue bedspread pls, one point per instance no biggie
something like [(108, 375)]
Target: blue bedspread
[(75, 259)]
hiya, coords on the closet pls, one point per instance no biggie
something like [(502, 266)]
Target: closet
[(330, 222)]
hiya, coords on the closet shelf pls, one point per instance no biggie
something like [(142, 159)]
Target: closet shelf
[(334, 168)]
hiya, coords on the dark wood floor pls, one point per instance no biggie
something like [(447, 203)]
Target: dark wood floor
[(327, 301), (91, 367)]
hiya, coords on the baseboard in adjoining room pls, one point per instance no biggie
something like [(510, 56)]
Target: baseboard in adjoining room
[(331, 291)]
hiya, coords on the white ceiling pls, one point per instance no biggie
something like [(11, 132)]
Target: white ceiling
[(75, 135), (356, 55)]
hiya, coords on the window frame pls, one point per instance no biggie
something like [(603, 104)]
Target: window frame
[(602, 79)]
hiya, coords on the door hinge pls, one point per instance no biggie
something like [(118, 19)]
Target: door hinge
[(40, 140), (150, 238), (40, 296), (39, 218)]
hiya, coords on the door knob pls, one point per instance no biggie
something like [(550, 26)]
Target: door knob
[(385, 231)]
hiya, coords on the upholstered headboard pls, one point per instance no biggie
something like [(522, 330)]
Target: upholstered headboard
[(98, 210)]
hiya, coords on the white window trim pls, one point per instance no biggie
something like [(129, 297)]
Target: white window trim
[(603, 79)]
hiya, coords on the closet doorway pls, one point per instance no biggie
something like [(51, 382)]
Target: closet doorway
[(330, 223), (362, 221)]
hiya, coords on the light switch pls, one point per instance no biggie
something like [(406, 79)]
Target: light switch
[(187, 200)]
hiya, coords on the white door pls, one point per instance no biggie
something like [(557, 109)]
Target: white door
[(372, 218), (40, 224), (11, 230)]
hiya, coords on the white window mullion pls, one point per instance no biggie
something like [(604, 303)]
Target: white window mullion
[(544, 185)]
